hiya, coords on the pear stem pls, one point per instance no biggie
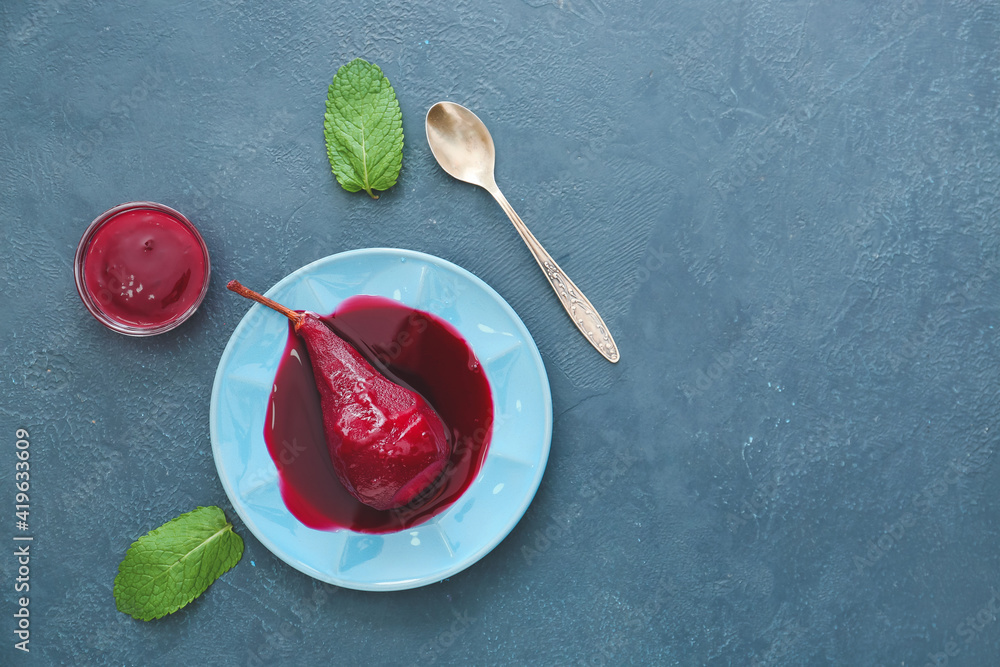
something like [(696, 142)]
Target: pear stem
[(235, 286)]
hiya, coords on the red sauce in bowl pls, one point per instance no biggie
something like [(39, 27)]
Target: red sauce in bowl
[(142, 269)]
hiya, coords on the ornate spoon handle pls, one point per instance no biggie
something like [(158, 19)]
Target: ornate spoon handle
[(583, 314)]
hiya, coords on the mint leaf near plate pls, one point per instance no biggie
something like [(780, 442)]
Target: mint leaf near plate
[(171, 565), (364, 128)]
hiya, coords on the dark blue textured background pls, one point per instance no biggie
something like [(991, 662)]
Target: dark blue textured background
[(786, 212)]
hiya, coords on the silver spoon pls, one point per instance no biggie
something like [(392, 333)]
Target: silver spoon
[(463, 147)]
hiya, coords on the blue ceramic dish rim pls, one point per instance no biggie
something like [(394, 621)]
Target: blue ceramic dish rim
[(516, 513)]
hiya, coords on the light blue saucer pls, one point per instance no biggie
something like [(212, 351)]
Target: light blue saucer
[(495, 501)]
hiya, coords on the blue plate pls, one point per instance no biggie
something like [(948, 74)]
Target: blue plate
[(494, 502)]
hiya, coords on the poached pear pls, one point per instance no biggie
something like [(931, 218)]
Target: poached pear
[(386, 442)]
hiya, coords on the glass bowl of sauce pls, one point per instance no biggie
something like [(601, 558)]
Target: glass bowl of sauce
[(141, 268)]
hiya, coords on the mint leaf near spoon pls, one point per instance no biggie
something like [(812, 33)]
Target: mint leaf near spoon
[(171, 565), (364, 128)]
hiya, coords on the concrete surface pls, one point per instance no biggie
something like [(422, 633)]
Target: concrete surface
[(786, 211)]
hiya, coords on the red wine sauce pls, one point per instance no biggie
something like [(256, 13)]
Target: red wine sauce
[(411, 347), (144, 268)]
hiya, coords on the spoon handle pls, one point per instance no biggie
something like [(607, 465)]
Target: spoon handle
[(583, 314)]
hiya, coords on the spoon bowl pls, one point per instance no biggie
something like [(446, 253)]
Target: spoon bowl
[(464, 148), (461, 143)]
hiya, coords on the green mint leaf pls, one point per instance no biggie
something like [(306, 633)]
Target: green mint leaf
[(171, 565), (364, 128)]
